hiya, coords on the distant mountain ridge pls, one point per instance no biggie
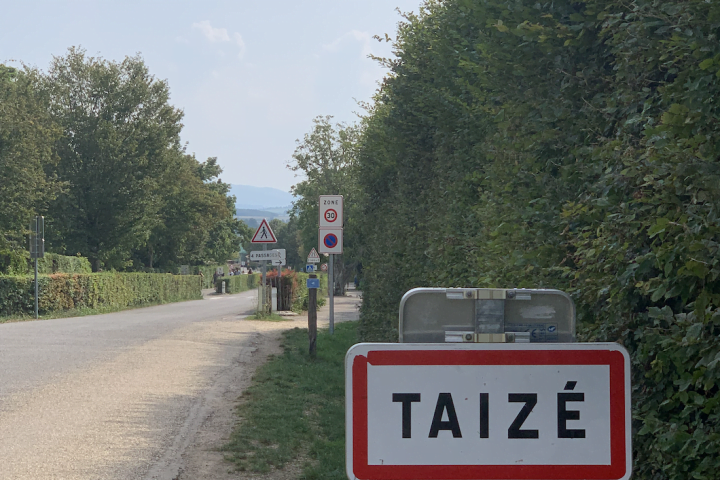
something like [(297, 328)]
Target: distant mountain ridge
[(260, 198)]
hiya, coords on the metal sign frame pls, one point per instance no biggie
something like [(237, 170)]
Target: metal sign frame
[(370, 409)]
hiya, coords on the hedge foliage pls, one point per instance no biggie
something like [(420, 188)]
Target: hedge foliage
[(207, 272), (237, 283), (565, 144), (54, 263), (115, 290), (301, 302)]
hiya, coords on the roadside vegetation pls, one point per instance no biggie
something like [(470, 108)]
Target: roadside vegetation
[(94, 146), (295, 408), (571, 145)]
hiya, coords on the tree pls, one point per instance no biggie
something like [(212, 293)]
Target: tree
[(26, 139), (326, 157), (119, 134)]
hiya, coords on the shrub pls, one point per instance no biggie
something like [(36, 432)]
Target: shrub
[(237, 283), (54, 263), (207, 271), (92, 290)]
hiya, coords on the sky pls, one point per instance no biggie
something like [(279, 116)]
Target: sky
[(249, 75)]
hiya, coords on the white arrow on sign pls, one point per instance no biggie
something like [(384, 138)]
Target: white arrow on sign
[(488, 411)]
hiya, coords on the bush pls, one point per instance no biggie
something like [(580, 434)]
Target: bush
[(13, 261), (237, 283), (54, 263), (207, 271), (301, 302), (116, 290)]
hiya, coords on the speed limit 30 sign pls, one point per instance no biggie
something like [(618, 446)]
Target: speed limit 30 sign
[(331, 211), (488, 411)]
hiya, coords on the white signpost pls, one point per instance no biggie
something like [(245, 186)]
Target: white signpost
[(331, 211), (264, 235), (268, 255), (330, 240), (488, 411)]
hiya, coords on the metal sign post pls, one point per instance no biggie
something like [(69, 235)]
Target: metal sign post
[(264, 235), (37, 249), (330, 240), (331, 293)]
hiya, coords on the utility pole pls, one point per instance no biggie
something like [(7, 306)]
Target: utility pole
[(262, 290), (312, 317), (331, 292), (37, 250)]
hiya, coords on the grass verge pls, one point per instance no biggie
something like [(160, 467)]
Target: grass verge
[(296, 406), (271, 317), (80, 312)]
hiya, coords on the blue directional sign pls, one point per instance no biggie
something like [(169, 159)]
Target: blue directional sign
[(309, 268), (313, 283)]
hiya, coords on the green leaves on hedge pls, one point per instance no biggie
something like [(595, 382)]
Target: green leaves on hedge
[(571, 145)]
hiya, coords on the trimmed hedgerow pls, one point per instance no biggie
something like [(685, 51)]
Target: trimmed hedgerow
[(54, 263), (116, 290), (237, 283)]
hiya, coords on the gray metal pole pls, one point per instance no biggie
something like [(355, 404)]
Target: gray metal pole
[(264, 268), (36, 285), (331, 292)]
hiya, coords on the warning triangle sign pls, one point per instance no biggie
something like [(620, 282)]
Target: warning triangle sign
[(264, 234), (313, 256)]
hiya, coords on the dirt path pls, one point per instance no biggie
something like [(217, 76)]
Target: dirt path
[(200, 459)]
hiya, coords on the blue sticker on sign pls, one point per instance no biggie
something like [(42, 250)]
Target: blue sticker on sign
[(313, 283)]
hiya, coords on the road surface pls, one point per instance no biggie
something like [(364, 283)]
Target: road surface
[(116, 396)]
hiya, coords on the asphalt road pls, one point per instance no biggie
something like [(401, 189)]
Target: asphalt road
[(114, 396)]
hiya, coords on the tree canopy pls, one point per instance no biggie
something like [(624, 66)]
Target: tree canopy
[(94, 145)]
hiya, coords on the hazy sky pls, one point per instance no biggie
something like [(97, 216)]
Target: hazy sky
[(249, 75)]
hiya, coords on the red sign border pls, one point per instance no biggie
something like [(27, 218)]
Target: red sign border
[(273, 239), (618, 459), (331, 210)]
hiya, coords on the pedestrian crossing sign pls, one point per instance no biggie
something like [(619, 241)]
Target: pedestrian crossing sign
[(264, 234)]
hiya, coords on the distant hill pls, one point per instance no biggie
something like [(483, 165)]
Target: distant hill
[(261, 198)]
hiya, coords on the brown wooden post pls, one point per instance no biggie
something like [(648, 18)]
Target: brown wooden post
[(312, 318)]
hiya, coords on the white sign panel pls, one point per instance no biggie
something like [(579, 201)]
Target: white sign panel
[(268, 255), (331, 211), (330, 240), (488, 411)]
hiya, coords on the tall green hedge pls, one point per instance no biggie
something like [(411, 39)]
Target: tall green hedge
[(301, 302), (117, 290), (238, 283), (207, 272), (566, 144), (54, 263)]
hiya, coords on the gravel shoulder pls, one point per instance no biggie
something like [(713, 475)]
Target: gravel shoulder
[(201, 460)]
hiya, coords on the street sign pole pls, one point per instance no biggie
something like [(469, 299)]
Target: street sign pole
[(264, 268), (37, 250), (331, 292), (36, 289), (312, 318)]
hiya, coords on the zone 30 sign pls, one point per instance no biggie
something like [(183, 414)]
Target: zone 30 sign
[(488, 411)]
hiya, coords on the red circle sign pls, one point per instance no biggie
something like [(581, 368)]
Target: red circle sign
[(330, 240), (330, 215)]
